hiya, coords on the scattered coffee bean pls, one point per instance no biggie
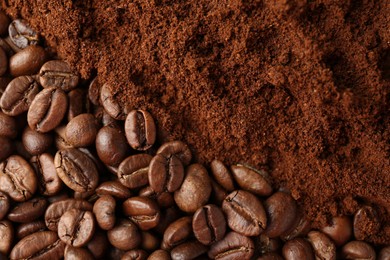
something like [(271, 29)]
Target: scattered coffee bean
[(177, 148), (125, 235), (323, 246), (188, 250), (135, 254), (104, 210), (113, 188), (28, 210), (358, 250), (340, 230), (111, 145), (81, 131), (160, 255), (177, 233), (36, 143), (143, 211), (232, 246), (48, 181), (298, 248), (21, 34), (58, 74), (365, 223), (78, 103), (110, 104), (29, 228), (27, 62), (6, 235), (94, 92), (209, 224), (222, 175), (251, 180), (140, 130), (133, 171)]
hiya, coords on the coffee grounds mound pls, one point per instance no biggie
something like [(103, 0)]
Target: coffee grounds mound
[(300, 88)]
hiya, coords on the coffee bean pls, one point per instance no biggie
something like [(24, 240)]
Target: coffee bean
[(58, 74), (366, 223), (105, 119), (252, 180), (143, 211), (188, 250), (164, 199), (76, 170), (81, 131), (29, 228), (340, 230), (298, 248), (111, 104), (160, 255), (27, 62), (232, 246), (195, 190), (177, 148), (19, 95), (177, 233), (58, 208), (17, 178), (47, 110), (21, 34), (125, 235), (270, 256), (28, 210), (323, 246), (222, 175), (98, 245), (244, 213), (4, 204), (135, 254), (35, 142), (150, 242), (4, 23), (6, 147), (7, 126), (104, 210), (301, 227), (74, 253), (60, 139), (133, 171), (218, 193), (111, 145), (40, 245), (281, 211), (94, 92), (358, 250), (76, 227), (113, 188), (6, 235), (3, 62), (384, 254), (209, 224), (140, 130), (78, 103)]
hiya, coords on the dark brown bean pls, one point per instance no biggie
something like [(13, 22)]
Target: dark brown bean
[(125, 235), (340, 230), (358, 250), (222, 175), (110, 103), (135, 254), (164, 199), (6, 235), (35, 142), (177, 233), (21, 34), (29, 228), (133, 171), (27, 211), (111, 145), (252, 180), (188, 250), (28, 61), (113, 188), (298, 248), (366, 223), (94, 92), (177, 148), (323, 246), (60, 139), (232, 246), (143, 211), (58, 74), (5, 204), (78, 103), (165, 173), (140, 130), (160, 255), (81, 131), (301, 227), (209, 224), (104, 210)]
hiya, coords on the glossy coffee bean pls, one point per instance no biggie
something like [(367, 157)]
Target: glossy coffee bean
[(58, 74), (6, 235), (140, 130), (366, 223), (35, 142), (177, 232), (150, 241), (232, 246), (165, 173), (28, 61), (301, 227), (125, 235), (17, 178), (5, 204), (78, 103), (195, 190), (188, 250), (159, 255), (340, 230), (74, 253), (4, 23), (254, 181), (40, 245), (28, 211), (76, 227), (113, 188), (29, 228), (7, 147), (76, 170), (81, 131), (177, 148), (111, 104), (298, 248), (244, 213), (209, 224), (358, 250), (133, 171), (143, 211), (281, 211), (19, 95), (222, 175), (94, 91), (135, 254), (21, 34), (99, 244), (384, 254), (48, 181), (104, 210), (322, 245), (7, 126), (47, 110), (3, 62), (111, 145)]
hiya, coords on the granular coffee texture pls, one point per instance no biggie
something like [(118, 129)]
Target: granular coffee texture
[(299, 88)]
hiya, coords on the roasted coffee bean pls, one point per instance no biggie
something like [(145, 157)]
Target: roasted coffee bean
[(133, 171), (340, 230), (143, 211), (78, 103), (28, 210), (209, 224), (323, 246), (76, 227), (111, 145), (365, 223), (195, 190), (3, 62), (6, 235), (28, 61), (7, 126), (384, 254), (232, 246), (19, 95), (165, 173), (58, 74), (60, 139), (177, 148), (281, 211), (188, 250), (5, 204), (21, 34), (98, 245), (113, 188), (29, 228), (104, 210), (35, 142), (17, 178), (135, 254), (298, 248), (6, 147), (4, 23), (254, 181), (358, 250), (58, 208), (177, 233), (218, 193), (48, 181), (94, 92), (81, 131), (244, 213), (270, 256), (47, 110), (76, 170), (74, 253), (159, 255), (140, 130), (301, 227), (222, 175), (40, 245), (164, 199), (150, 242), (125, 235), (111, 104)]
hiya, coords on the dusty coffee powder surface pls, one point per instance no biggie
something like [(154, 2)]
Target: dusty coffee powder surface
[(300, 88)]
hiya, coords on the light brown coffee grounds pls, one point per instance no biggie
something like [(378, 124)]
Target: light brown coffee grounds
[(298, 87)]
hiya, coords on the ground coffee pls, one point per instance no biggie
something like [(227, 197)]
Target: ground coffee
[(298, 87)]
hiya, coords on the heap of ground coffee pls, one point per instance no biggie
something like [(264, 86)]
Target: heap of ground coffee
[(299, 88)]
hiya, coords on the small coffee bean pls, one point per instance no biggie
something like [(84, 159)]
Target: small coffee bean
[(165, 173), (111, 145), (281, 211), (298, 248), (125, 235), (150, 242), (28, 211), (222, 175), (47, 110), (323, 246), (74, 253), (39, 245), (209, 224), (195, 190), (58, 74), (358, 250), (104, 210), (81, 131), (177, 148), (98, 245), (7, 147), (76, 170), (5, 204), (94, 92), (218, 193), (140, 130), (28, 61), (244, 213), (6, 235), (29, 228), (4, 23), (21, 34), (7, 126), (133, 171), (19, 95), (17, 178), (366, 223), (78, 103), (143, 211), (35, 142), (113, 188), (76, 227), (110, 103), (159, 255), (3, 62), (232, 246), (188, 250), (254, 181), (340, 230), (135, 254), (177, 233), (384, 254)]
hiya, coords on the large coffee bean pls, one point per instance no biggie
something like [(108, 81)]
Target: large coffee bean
[(209, 224), (133, 171), (58, 74), (188, 250), (254, 181), (28, 61), (165, 173), (143, 211), (222, 175), (29, 228), (4, 204), (358, 250), (111, 104), (111, 145), (177, 148), (140, 130), (81, 131), (36, 143), (28, 211), (48, 181), (340, 230), (159, 255), (7, 126), (125, 235), (177, 232), (232, 246), (113, 188), (323, 246), (298, 248), (21, 34), (365, 223), (104, 210), (6, 236)]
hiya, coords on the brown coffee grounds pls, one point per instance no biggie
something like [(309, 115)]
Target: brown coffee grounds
[(298, 87)]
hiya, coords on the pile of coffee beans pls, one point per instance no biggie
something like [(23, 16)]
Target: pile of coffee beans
[(82, 178)]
